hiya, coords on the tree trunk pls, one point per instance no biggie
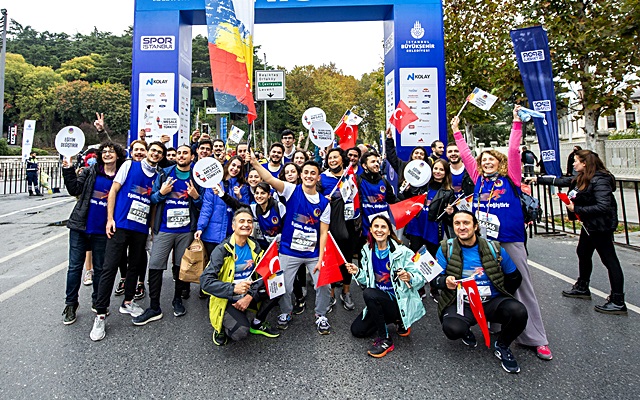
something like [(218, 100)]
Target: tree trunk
[(590, 127)]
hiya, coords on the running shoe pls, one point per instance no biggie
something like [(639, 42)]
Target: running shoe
[(347, 301), (322, 324), (147, 316), (401, 330), (470, 340), (380, 347), (132, 309), (264, 329), (219, 338), (98, 331), (509, 362), (140, 291), (544, 353), (178, 308), (283, 321), (120, 288), (88, 278), (332, 303), (299, 307)]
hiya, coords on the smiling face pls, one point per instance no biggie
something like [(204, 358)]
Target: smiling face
[(242, 225), (184, 158), (275, 155), (235, 167), (218, 148), (139, 152), (418, 154), (310, 176), (204, 150), (438, 172), (453, 154), (489, 163), (291, 174), (155, 154), (109, 156), (353, 157), (464, 227), (373, 164), (253, 178), (298, 158), (380, 230), (438, 149), (261, 196), (243, 151), (334, 160)]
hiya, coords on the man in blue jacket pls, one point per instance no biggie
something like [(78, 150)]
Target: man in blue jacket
[(177, 199)]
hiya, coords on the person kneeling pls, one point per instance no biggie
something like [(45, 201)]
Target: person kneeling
[(471, 256), (391, 283), (234, 286)]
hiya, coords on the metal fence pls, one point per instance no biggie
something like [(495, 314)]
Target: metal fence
[(555, 221), (13, 174)]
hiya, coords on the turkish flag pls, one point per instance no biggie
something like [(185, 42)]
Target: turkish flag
[(402, 116), (406, 210), (475, 304), (269, 263), (346, 135), (331, 262)]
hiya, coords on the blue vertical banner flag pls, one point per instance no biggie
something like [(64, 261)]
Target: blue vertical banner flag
[(531, 46)]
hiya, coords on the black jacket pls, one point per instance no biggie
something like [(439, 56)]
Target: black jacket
[(596, 205), (80, 186), (442, 199)]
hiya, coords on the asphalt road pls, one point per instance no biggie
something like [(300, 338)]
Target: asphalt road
[(596, 356)]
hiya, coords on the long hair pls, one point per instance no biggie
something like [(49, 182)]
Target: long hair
[(392, 234), (240, 176), (592, 164), (298, 170), (447, 180), (502, 162), (121, 154)]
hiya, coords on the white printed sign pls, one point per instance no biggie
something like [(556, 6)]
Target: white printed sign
[(321, 134), (417, 173), (69, 141), (208, 172), (311, 115)]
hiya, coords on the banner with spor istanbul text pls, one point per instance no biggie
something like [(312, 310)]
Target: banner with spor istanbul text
[(532, 51)]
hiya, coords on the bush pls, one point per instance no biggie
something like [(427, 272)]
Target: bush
[(6, 150)]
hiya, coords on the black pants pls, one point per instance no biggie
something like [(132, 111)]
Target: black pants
[(209, 247), (501, 309), (416, 242), (155, 286), (602, 242), (382, 309), (236, 324), (116, 246), (122, 266), (348, 247), (299, 282)]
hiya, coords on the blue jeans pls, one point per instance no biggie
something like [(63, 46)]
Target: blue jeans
[(79, 244)]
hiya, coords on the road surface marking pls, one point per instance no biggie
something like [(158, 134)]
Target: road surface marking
[(40, 206), (38, 278), (565, 278), (33, 246)]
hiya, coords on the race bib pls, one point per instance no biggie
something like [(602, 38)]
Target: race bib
[(483, 291), (489, 225), (178, 218), (303, 241), (572, 194), (138, 212), (257, 232), (349, 212)]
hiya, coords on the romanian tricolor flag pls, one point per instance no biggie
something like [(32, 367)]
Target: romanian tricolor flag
[(230, 32)]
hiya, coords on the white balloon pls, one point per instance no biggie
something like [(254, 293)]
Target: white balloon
[(70, 141)]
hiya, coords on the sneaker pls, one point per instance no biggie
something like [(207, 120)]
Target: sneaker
[(264, 329), (299, 307), (322, 324), (69, 314), (380, 347), (140, 292), (283, 321), (347, 301), (332, 303), (544, 353), (178, 308), (401, 330), (132, 309), (470, 340), (186, 293), (147, 316), (219, 338), (203, 295), (98, 331), (435, 295), (509, 362), (88, 278), (120, 288)]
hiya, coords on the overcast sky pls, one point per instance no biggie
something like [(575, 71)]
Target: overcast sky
[(282, 43)]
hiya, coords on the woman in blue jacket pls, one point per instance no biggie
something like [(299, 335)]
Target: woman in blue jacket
[(391, 283)]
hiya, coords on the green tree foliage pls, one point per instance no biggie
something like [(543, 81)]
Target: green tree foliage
[(595, 50), (370, 96), (80, 67)]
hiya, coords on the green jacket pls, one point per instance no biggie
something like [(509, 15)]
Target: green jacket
[(409, 301), (217, 279)]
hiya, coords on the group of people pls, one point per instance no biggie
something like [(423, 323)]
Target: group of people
[(131, 213)]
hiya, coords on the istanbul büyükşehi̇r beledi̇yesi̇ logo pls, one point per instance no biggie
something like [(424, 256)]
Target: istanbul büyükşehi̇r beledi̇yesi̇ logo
[(417, 31)]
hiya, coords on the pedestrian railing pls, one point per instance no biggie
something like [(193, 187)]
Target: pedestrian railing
[(555, 221), (13, 175)]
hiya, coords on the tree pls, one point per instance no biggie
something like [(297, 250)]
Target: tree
[(79, 67), (370, 95), (595, 52)]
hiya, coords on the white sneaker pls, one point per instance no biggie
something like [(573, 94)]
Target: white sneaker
[(98, 331), (88, 278), (132, 309)]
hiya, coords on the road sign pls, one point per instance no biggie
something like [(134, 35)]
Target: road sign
[(270, 85)]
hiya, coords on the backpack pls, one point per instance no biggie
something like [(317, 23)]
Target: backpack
[(530, 205)]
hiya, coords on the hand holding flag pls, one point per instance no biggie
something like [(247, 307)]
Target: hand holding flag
[(269, 269)]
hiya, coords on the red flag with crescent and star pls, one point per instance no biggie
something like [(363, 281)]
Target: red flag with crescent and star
[(402, 116), (269, 263), (331, 262), (347, 130), (475, 303), (406, 210)]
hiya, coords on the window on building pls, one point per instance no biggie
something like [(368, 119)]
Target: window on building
[(630, 117), (611, 122)]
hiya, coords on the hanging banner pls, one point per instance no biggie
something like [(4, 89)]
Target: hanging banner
[(230, 34), (534, 61), (27, 138)]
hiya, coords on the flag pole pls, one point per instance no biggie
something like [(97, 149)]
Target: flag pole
[(452, 204), (463, 106), (344, 173)]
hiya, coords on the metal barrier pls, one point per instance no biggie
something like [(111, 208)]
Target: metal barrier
[(13, 175), (554, 217)]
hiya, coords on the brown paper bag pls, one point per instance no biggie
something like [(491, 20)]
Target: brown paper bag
[(193, 262)]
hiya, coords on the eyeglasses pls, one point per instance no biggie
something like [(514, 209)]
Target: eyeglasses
[(155, 151), (108, 151)]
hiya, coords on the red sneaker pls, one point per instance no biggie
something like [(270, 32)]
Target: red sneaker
[(544, 353)]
